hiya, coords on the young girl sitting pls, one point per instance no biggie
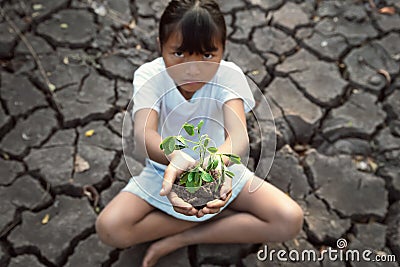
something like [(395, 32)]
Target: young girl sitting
[(189, 83)]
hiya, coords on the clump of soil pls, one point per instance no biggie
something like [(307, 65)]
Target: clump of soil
[(207, 192)]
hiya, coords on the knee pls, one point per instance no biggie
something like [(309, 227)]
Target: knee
[(292, 218), (109, 231)]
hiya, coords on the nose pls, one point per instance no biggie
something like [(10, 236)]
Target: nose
[(192, 68)]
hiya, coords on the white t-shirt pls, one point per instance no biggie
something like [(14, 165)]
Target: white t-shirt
[(155, 89)]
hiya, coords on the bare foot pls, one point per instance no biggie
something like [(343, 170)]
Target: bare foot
[(160, 248)]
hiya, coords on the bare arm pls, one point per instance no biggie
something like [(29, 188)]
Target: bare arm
[(236, 137), (236, 142), (147, 138), (148, 141)]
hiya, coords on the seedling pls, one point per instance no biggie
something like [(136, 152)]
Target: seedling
[(215, 169)]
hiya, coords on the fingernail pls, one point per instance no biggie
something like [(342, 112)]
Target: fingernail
[(162, 191), (223, 196)]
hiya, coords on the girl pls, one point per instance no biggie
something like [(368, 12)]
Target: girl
[(188, 83)]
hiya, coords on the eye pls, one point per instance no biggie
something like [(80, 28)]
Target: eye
[(179, 54), (208, 56)]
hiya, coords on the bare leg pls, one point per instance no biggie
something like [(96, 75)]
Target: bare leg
[(128, 220), (265, 215)]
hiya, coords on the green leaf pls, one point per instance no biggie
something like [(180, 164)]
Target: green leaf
[(212, 149), (191, 187), (163, 142), (191, 176), (189, 128), (184, 178), (168, 145), (190, 183), (206, 177), (199, 125), (197, 178), (215, 164), (181, 139), (206, 142), (229, 173), (179, 147), (234, 158), (210, 164)]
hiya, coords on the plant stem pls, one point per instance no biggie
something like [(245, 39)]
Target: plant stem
[(190, 141), (202, 154), (222, 168)]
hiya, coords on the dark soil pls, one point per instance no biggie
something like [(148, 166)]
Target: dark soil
[(198, 199)]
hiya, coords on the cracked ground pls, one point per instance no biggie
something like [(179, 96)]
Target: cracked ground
[(329, 70)]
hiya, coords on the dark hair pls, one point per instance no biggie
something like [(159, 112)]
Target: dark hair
[(199, 21)]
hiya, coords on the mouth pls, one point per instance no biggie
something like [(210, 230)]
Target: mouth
[(190, 83)]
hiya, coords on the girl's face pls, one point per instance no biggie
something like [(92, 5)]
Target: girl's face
[(190, 71)]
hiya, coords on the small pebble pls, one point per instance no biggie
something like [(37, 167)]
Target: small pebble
[(99, 9), (26, 137), (316, 19), (362, 166)]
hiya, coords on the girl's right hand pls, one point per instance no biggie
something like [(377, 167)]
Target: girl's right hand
[(179, 162)]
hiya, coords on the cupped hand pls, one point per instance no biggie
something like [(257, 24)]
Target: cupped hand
[(215, 205), (179, 162), (181, 206)]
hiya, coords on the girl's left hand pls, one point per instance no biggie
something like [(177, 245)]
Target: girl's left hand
[(180, 161), (216, 205)]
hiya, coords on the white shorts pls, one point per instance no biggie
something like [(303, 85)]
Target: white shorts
[(147, 185)]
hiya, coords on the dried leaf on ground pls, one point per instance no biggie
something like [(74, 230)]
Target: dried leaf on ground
[(89, 133), (37, 7), (372, 164), (132, 24), (91, 192), (66, 60), (387, 10), (81, 165), (386, 74), (46, 219), (52, 87), (365, 164)]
